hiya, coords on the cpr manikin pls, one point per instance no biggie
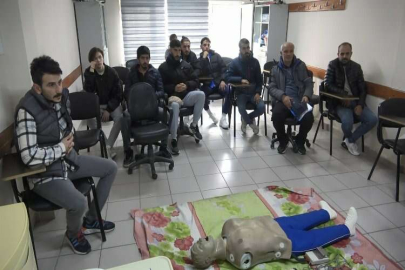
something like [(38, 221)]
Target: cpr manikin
[(248, 242)]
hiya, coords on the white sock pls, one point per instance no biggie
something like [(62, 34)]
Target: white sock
[(223, 115), (351, 221), (325, 206)]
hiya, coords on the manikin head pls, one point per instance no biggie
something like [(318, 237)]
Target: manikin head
[(204, 252), (46, 78), (345, 52)]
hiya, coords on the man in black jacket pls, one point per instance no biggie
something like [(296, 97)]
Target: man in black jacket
[(345, 76), (181, 84), (104, 82), (213, 66), (142, 72), (245, 69), (189, 56)]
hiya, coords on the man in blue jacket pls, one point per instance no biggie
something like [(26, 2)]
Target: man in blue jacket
[(245, 69)]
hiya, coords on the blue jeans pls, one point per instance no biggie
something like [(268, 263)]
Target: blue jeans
[(298, 230), (347, 116), (226, 93), (242, 100)]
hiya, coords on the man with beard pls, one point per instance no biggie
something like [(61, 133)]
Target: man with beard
[(345, 76), (189, 56), (104, 82), (181, 84), (142, 72), (290, 84), (213, 66), (245, 69)]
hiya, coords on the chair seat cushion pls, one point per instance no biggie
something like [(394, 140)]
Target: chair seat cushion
[(291, 122), (86, 138), (186, 111), (215, 96), (150, 133), (400, 145)]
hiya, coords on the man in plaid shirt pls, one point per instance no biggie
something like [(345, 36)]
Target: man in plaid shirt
[(44, 135)]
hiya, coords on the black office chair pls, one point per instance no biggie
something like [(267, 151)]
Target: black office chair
[(266, 80), (130, 63), (332, 116), (39, 204), (84, 106), (122, 74), (145, 127), (394, 108)]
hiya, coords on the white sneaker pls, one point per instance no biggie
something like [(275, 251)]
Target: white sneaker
[(111, 154), (352, 147), (351, 221), (254, 127), (325, 206), (212, 116), (243, 126), (224, 122)]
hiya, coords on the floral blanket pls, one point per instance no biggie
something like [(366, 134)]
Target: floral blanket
[(171, 230)]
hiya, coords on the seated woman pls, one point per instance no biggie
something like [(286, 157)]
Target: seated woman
[(248, 242)]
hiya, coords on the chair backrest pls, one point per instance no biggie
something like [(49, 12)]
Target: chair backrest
[(142, 102), (84, 105), (130, 63), (227, 61), (269, 65), (122, 73), (392, 107)]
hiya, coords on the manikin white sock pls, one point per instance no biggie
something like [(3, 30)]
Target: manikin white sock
[(325, 206), (351, 221)]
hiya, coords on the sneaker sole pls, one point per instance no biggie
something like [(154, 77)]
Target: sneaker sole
[(282, 152), (227, 127), (93, 231), (77, 252)]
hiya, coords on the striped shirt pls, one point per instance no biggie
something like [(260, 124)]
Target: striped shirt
[(31, 153)]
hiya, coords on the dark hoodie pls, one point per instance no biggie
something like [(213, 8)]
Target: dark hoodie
[(174, 72), (193, 61), (213, 66), (248, 69)]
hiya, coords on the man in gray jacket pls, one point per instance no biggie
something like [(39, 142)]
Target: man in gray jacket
[(290, 84)]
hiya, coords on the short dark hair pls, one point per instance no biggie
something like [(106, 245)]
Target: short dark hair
[(243, 41), (172, 37), (345, 44), (175, 44), (183, 38), (205, 39), (42, 65), (92, 53), (142, 50)]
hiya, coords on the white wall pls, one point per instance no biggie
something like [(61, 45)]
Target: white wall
[(115, 40), (375, 29)]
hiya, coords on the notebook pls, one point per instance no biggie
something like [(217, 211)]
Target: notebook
[(299, 109)]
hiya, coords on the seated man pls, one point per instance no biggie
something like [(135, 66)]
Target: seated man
[(181, 85), (189, 56), (104, 82), (142, 72), (345, 76), (172, 37), (44, 136), (250, 241), (213, 66), (245, 69), (289, 84)]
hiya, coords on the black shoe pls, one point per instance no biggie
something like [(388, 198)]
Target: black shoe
[(163, 153), (301, 149), (175, 149), (196, 132), (282, 147), (79, 244), (94, 227), (129, 158)]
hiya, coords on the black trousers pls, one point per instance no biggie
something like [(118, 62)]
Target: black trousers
[(280, 113)]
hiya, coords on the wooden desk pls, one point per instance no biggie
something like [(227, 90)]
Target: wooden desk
[(14, 168), (337, 96), (394, 119), (205, 79), (155, 263), (266, 71), (239, 85)]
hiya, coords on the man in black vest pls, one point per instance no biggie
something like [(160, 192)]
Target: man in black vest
[(44, 136)]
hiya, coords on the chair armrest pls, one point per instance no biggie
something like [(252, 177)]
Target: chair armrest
[(315, 99)]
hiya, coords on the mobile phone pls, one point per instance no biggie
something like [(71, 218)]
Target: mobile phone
[(316, 256)]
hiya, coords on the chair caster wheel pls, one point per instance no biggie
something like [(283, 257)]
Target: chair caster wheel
[(197, 141), (154, 176), (129, 171), (171, 166)]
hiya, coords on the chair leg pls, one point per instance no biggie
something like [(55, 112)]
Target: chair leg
[(362, 143), (398, 174), (234, 121), (88, 148), (375, 162), (98, 210), (317, 128), (88, 200), (31, 233), (202, 118), (265, 124), (331, 137), (322, 122)]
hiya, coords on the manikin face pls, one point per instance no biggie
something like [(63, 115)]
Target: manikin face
[(144, 61), (244, 50), (185, 48), (176, 52), (203, 251), (288, 53), (99, 59), (344, 54), (51, 87), (205, 46)]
